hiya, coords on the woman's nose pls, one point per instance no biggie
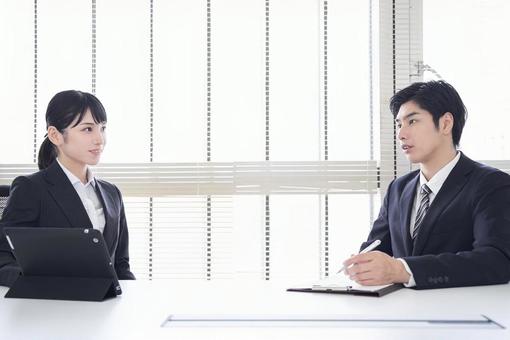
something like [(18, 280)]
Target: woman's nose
[(99, 138)]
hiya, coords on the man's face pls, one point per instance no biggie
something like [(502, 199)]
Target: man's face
[(419, 137)]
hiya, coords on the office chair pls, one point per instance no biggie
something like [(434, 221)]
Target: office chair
[(4, 194)]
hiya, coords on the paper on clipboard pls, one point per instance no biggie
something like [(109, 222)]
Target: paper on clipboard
[(339, 284)]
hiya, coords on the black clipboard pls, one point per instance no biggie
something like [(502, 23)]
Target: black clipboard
[(366, 291), (62, 264)]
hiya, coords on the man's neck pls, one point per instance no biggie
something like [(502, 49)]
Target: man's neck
[(432, 166)]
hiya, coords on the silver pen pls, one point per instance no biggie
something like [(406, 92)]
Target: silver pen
[(370, 247)]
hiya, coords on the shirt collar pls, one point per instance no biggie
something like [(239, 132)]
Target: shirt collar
[(437, 181), (74, 180)]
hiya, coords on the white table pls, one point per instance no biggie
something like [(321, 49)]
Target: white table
[(144, 306)]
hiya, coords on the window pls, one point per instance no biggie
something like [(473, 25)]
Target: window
[(243, 135), (465, 46)]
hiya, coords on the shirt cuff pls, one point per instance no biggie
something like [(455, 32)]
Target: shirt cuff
[(411, 282)]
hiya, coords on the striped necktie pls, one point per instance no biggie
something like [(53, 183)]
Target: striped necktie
[(422, 209)]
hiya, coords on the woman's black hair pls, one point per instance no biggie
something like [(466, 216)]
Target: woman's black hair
[(62, 110)]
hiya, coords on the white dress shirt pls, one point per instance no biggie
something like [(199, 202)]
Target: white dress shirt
[(434, 184), (89, 197)]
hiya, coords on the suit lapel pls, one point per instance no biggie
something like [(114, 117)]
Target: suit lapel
[(451, 187), (110, 231), (66, 197), (406, 205)]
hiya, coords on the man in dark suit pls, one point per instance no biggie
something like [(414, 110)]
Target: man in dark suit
[(48, 199), (447, 224)]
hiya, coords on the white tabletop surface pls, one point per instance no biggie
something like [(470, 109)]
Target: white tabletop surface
[(145, 305)]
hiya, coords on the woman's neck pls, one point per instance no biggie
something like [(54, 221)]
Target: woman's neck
[(78, 169)]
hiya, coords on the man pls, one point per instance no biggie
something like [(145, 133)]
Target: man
[(447, 224)]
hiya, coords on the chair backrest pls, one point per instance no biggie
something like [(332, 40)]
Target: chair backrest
[(4, 194)]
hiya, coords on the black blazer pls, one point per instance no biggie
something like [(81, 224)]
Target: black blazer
[(48, 199), (464, 239)]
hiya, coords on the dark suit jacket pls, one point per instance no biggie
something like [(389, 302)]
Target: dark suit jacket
[(464, 239), (48, 199)]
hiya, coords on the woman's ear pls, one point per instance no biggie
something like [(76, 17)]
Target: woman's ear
[(55, 136)]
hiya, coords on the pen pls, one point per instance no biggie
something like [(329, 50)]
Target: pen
[(370, 247)]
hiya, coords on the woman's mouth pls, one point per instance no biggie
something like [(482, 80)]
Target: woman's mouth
[(96, 152)]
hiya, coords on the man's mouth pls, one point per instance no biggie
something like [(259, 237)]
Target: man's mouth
[(406, 147)]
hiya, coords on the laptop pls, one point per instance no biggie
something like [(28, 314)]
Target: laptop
[(62, 263)]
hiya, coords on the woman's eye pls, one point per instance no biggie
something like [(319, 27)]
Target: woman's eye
[(412, 121), (87, 129)]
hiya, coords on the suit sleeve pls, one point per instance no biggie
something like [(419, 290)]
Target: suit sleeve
[(122, 253), (22, 210), (381, 228), (489, 260)]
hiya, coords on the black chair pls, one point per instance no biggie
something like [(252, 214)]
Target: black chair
[(4, 194)]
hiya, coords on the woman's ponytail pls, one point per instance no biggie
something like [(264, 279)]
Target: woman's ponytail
[(47, 154)]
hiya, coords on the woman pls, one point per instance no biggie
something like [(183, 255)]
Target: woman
[(64, 193)]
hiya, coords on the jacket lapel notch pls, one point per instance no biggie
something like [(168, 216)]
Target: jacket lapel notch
[(66, 197)]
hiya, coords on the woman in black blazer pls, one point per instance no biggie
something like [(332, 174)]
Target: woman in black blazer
[(64, 193)]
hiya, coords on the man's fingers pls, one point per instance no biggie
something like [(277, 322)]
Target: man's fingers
[(368, 282), (372, 268), (359, 268), (368, 278), (359, 258), (370, 256)]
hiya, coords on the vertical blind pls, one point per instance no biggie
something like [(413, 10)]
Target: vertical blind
[(249, 138), (477, 65)]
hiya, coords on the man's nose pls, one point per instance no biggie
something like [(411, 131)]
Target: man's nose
[(402, 133)]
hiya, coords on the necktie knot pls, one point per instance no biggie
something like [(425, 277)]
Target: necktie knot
[(425, 190)]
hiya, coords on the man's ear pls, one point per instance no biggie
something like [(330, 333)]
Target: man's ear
[(55, 136), (446, 123)]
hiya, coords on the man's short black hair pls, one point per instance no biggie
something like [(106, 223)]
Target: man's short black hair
[(437, 97)]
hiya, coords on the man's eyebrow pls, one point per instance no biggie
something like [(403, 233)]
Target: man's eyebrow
[(407, 116)]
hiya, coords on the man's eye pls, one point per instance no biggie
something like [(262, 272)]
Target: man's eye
[(399, 125)]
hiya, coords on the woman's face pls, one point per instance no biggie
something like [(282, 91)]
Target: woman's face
[(82, 144)]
